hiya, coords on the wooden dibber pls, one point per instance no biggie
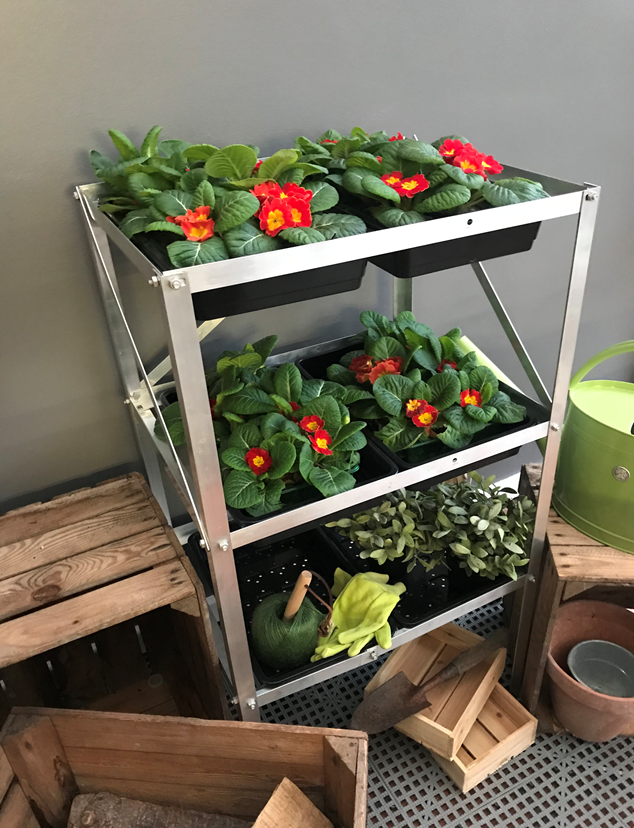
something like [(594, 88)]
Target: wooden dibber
[(297, 595)]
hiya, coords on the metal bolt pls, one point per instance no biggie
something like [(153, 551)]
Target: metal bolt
[(554, 427), (531, 579), (76, 196), (127, 402), (224, 546), (177, 283), (373, 655), (252, 704), (154, 281), (235, 700), (202, 543), (591, 196)]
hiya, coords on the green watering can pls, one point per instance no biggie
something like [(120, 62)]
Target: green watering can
[(594, 483)]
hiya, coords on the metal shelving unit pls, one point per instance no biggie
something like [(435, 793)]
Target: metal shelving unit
[(199, 481)]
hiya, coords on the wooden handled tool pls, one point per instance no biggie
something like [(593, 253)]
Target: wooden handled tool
[(399, 698), (297, 595)]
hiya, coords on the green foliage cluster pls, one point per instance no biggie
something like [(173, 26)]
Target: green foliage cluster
[(164, 179), (473, 521), (260, 406), (422, 353)]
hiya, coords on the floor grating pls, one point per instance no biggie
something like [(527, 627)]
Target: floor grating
[(559, 781)]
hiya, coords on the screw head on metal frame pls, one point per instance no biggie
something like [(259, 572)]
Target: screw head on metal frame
[(154, 281), (202, 543), (223, 546), (591, 196), (177, 282), (252, 704), (554, 427)]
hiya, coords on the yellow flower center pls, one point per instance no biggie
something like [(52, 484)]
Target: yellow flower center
[(392, 179), (468, 166), (322, 443), (199, 232), (412, 405), (426, 418), (409, 185), (275, 219), (282, 195), (297, 215), (470, 399), (312, 426), (258, 460)]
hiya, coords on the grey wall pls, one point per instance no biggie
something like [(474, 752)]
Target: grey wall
[(542, 85)]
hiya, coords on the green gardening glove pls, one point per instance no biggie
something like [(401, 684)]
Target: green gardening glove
[(360, 613)]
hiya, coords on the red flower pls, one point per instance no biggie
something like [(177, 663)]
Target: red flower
[(450, 148), (275, 216), (268, 189), (299, 210), (212, 405), (397, 137), (410, 186), (295, 406), (296, 191), (446, 362), (329, 141), (171, 219), (491, 166), (362, 365), (312, 423), (470, 161), (414, 407), (196, 225), (426, 417), (320, 441), (471, 397), (387, 366), (259, 460), (257, 167), (379, 158), (392, 178)]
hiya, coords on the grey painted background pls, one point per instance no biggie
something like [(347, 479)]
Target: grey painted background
[(542, 85)]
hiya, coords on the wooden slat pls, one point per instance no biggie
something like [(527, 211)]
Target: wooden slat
[(85, 614), (71, 575), (595, 564), (478, 740), (340, 766), (78, 674), (6, 774), (139, 697), (67, 541), (29, 683), (469, 697), (290, 808), (41, 767), (38, 518), (562, 533), (121, 658), (15, 811)]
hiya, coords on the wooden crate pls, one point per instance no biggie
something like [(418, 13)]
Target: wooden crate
[(100, 607), (502, 730), (212, 766), (457, 703)]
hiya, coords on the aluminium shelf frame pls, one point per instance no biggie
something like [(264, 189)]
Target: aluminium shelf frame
[(200, 485)]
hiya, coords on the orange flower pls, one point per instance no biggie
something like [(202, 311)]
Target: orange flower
[(299, 210), (268, 189), (275, 216), (362, 365), (426, 417), (294, 190), (387, 366), (312, 423), (259, 460), (397, 137), (470, 161), (320, 441), (414, 407), (392, 178), (450, 148), (329, 141), (471, 397), (446, 362), (410, 186), (196, 225), (491, 166)]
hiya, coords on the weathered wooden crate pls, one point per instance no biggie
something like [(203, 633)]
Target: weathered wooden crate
[(48, 756), (100, 608), (502, 730), (457, 703)]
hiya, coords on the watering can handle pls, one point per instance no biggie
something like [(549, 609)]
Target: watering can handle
[(626, 347)]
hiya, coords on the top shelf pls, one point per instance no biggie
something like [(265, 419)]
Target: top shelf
[(565, 200)]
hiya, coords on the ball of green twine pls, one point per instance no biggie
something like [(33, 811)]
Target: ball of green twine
[(285, 644)]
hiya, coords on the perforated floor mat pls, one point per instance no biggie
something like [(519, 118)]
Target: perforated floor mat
[(559, 781)]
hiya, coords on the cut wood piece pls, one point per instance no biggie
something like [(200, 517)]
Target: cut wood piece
[(456, 704), (345, 781), (6, 774), (41, 586), (502, 730), (289, 808), (105, 810), (38, 760), (15, 811), (28, 635)]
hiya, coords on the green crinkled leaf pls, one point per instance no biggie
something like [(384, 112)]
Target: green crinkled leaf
[(454, 439), (352, 394), (248, 239), (234, 457), (329, 135), (421, 391), (506, 410), (324, 196), (276, 164), (235, 209), (308, 147), (272, 493), (140, 182), (365, 160), (288, 382), (391, 391), (353, 179), (446, 198), (373, 321), (355, 442), (311, 390), (375, 187), (250, 400), (327, 409), (444, 389), (173, 202), (338, 225), (276, 423), (134, 222), (346, 432), (189, 253), (245, 437), (331, 481), (204, 196), (190, 180), (511, 191), (386, 347), (468, 361), (283, 405), (306, 461), (367, 410), (264, 346), (337, 373), (165, 227), (150, 142), (99, 162), (471, 180), (243, 489), (293, 175), (459, 420), (482, 415), (481, 375), (250, 361), (200, 152), (235, 161), (437, 176), (283, 455), (302, 235), (346, 146), (395, 217), (126, 148), (418, 151), (310, 169), (400, 433), (172, 145)]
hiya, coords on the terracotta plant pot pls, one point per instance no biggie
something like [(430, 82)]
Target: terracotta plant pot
[(585, 713)]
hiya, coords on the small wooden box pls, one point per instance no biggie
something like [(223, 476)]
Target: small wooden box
[(457, 703), (502, 730), (219, 767)]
